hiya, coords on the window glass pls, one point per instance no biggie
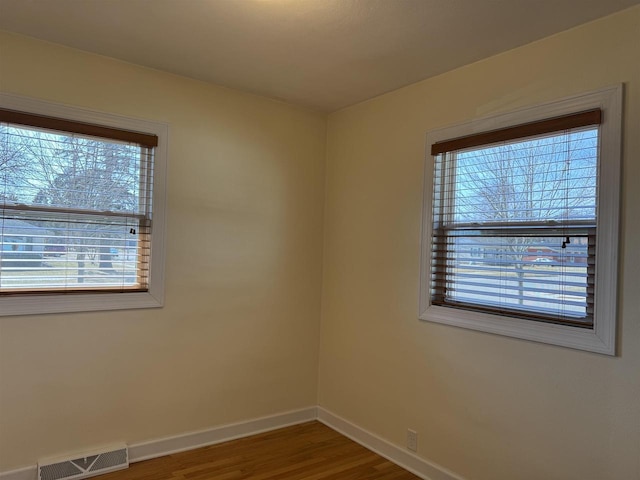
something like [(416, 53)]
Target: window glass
[(75, 212), (513, 225)]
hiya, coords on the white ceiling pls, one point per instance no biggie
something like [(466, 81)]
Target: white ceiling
[(322, 54)]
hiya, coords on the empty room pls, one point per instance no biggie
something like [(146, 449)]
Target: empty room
[(319, 239)]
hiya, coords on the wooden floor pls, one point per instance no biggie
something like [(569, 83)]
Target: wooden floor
[(309, 451)]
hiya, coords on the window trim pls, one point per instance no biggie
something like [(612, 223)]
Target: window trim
[(600, 339), (32, 303)]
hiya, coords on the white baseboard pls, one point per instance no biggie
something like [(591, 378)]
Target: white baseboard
[(407, 460), (188, 441), (28, 473)]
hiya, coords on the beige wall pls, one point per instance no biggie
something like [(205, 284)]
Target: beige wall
[(486, 407), (238, 337)]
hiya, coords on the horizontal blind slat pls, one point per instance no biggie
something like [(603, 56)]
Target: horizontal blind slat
[(70, 126), (590, 117)]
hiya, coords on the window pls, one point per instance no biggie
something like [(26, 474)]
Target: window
[(521, 218), (81, 209)]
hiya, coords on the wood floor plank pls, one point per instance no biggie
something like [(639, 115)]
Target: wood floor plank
[(309, 451)]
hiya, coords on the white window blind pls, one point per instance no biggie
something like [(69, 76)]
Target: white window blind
[(75, 205), (515, 218)]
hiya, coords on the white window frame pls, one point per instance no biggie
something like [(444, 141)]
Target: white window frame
[(31, 304), (600, 339)]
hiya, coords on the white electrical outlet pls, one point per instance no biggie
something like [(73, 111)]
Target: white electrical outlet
[(412, 440)]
